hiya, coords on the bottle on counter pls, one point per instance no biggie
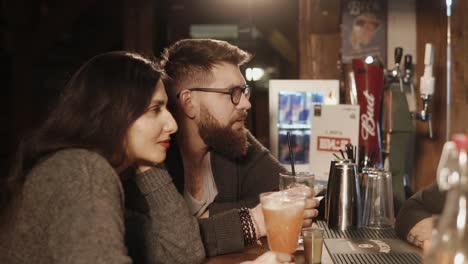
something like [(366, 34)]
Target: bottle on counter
[(450, 243)]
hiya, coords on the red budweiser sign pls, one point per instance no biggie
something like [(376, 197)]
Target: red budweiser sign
[(369, 82)]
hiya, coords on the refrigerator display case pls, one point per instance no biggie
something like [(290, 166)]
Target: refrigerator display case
[(291, 103)]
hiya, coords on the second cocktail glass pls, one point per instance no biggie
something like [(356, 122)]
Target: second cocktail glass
[(283, 212), (288, 180)]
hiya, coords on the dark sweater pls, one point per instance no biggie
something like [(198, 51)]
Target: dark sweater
[(239, 183), (72, 211), (421, 205)]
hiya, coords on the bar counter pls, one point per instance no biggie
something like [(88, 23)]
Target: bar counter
[(356, 246), (254, 252)]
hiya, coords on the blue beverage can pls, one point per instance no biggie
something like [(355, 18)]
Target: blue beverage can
[(284, 108), (317, 98), (297, 106), (299, 145), (283, 148), (306, 145)]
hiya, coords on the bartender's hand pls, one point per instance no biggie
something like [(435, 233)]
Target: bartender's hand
[(421, 233), (311, 203), (271, 257)]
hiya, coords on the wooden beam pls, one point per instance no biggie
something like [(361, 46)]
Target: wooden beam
[(319, 39), (139, 28)]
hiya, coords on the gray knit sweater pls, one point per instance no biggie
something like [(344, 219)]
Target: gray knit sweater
[(72, 211), (239, 183)]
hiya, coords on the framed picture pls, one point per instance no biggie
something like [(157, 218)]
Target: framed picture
[(364, 27)]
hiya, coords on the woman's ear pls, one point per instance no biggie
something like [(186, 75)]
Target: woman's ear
[(187, 104)]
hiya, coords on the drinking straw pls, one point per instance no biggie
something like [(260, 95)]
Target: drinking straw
[(291, 155), (336, 156), (355, 153), (342, 154)]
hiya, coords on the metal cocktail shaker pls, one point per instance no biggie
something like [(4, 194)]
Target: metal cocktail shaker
[(331, 181), (344, 204)]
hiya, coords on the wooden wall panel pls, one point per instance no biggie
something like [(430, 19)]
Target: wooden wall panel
[(459, 84), (317, 60), (432, 27), (319, 39), (138, 26)]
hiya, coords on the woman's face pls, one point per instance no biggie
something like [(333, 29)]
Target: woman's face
[(148, 137)]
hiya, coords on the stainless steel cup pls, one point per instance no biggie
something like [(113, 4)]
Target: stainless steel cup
[(344, 208), (331, 181)]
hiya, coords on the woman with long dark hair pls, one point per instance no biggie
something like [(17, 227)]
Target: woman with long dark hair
[(63, 201)]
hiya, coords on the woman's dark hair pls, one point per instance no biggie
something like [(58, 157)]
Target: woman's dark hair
[(95, 110)]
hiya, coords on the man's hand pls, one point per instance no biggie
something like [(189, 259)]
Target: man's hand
[(309, 212), (421, 233), (311, 203)]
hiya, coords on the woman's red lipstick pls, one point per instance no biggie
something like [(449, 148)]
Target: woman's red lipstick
[(166, 143)]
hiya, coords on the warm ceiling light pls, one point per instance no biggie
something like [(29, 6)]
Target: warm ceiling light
[(254, 74)]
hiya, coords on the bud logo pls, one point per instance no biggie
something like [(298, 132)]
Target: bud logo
[(331, 143), (367, 119)]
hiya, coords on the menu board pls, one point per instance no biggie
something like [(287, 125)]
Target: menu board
[(332, 127)]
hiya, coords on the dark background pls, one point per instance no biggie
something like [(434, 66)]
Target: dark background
[(44, 41)]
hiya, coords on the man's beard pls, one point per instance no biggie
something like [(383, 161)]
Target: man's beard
[(223, 139)]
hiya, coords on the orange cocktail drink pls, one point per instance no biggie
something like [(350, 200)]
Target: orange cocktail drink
[(284, 213)]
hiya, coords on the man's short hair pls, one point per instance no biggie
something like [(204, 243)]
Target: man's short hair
[(190, 61)]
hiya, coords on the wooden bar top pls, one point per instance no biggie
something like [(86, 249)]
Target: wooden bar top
[(254, 252), (351, 246)]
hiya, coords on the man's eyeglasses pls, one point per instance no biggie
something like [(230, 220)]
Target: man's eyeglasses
[(235, 92)]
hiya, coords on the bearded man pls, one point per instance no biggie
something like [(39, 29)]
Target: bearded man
[(215, 161)]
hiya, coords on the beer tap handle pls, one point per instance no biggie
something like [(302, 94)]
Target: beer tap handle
[(429, 123), (398, 56), (408, 65), (427, 87), (397, 73), (408, 62), (408, 80), (427, 80)]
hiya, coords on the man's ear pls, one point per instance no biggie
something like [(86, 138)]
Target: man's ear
[(187, 104)]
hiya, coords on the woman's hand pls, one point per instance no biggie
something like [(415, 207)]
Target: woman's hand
[(142, 168), (271, 257)]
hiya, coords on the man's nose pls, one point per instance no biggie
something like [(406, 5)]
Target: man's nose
[(244, 103)]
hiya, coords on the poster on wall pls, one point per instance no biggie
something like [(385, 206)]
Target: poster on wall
[(364, 27)]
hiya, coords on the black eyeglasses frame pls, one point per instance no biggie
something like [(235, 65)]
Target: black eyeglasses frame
[(230, 91)]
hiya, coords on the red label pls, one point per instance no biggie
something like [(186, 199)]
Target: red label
[(333, 144), (369, 82)]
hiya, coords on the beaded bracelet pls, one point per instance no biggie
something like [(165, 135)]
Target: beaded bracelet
[(256, 230), (248, 228)]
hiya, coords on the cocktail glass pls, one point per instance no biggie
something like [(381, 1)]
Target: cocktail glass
[(283, 212)]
